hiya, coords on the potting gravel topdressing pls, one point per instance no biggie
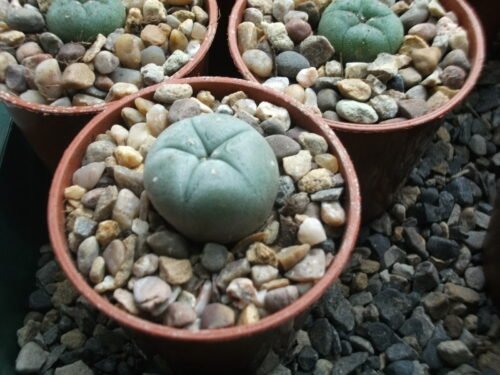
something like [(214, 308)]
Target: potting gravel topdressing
[(360, 61), (221, 255), (72, 53)]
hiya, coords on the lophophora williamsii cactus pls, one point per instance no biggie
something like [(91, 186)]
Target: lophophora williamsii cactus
[(361, 29), (81, 20), (213, 177)]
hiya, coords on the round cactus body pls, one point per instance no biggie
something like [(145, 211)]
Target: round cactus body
[(212, 177), (80, 20), (361, 29)]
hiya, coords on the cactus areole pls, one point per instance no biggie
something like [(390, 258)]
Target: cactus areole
[(82, 21), (361, 29), (212, 177)]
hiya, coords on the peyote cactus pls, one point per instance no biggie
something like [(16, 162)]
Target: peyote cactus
[(213, 177), (361, 29), (81, 20)]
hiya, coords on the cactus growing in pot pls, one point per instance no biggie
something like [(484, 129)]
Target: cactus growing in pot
[(81, 20), (361, 29), (213, 177)]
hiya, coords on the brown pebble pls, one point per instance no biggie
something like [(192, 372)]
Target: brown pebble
[(217, 315), (453, 77), (426, 60), (412, 108), (180, 314)]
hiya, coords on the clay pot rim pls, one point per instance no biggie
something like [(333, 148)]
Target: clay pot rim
[(213, 17), (477, 62), (56, 219)]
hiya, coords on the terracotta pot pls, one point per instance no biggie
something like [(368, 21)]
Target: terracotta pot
[(384, 155), (49, 129), (491, 254), (488, 12), (225, 350)]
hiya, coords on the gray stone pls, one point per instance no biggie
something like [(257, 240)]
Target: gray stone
[(338, 309), (400, 351), (50, 43), (282, 145), (356, 112), (214, 257), (400, 368), (76, 368), (31, 358), (167, 243), (317, 50), (454, 353), (290, 63), (27, 19), (347, 365), (474, 277)]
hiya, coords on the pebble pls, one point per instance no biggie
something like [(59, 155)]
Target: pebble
[(175, 61), (50, 43), (15, 78), (48, 79), (87, 252), (175, 271), (279, 298), (217, 316), (354, 89), (290, 63), (412, 108), (384, 67), (385, 106), (417, 13), (128, 49), (88, 175), (258, 62), (298, 29), (151, 293), (311, 268), (242, 292), (78, 76), (70, 53), (455, 353), (78, 367), (262, 274), (125, 299), (333, 214), (307, 77), (31, 358), (180, 314), (457, 57), (105, 62), (120, 90), (311, 232), (277, 36), (356, 112), (425, 60), (27, 50), (317, 50), (127, 156), (453, 77), (27, 19), (169, 93), (214, 257), (283, 146), (427, 31), (247, 36)]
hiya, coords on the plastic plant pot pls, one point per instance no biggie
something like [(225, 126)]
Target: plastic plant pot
[(50, 129), (230, 350), (385, 154), (491, 254)]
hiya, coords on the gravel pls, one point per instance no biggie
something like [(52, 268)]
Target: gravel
[(438, 320)]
